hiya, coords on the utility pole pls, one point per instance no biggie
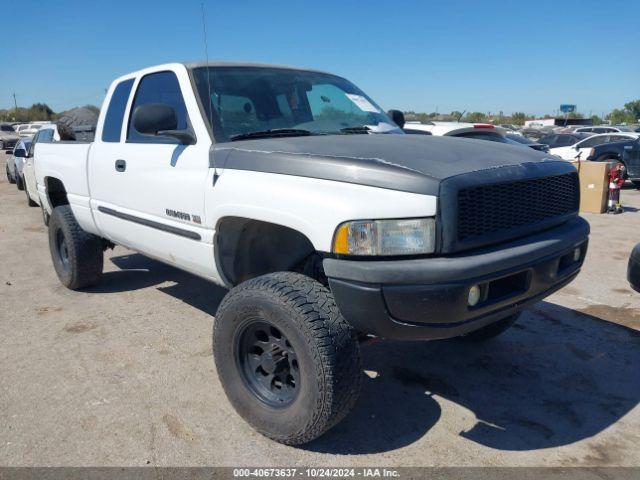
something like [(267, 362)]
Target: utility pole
[(15, 103)]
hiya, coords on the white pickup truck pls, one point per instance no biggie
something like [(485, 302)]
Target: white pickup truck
[(292, 188)]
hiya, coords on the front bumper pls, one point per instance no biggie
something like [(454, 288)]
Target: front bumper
[(427, 299)]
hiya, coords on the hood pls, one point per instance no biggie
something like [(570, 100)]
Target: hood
[(411, 163)]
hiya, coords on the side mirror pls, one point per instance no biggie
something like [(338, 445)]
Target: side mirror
[(20, 153), (157, 119), (397, 116)]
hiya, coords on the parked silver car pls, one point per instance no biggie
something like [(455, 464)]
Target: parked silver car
[(15, 163), (8, 137)]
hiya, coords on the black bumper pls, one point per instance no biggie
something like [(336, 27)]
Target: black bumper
[(426, 299)]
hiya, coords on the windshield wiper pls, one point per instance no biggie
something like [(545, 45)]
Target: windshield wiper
[(273, 132), (363, 129)]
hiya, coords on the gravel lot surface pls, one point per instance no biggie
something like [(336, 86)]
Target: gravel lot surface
[(123, 375)]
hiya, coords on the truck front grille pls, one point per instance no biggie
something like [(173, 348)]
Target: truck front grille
[(500, 208)]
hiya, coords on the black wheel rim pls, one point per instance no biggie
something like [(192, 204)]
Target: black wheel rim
[(63, 250), (268, 364)]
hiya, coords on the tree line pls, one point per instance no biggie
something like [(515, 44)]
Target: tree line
[(34, 113), (629, 114)]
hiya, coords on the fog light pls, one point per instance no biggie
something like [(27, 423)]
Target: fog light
[(474, 295), (576, 255)]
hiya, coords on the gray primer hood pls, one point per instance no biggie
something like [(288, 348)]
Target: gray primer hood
[(410, 163)]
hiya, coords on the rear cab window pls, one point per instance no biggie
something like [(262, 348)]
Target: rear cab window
[(115, 112)]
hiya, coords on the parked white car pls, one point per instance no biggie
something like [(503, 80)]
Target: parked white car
[(603, 129), (582, 148), (15, 162), (47, 133), (27, 130), (455, 129)]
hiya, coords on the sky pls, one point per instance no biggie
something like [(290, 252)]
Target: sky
[(425, 56)]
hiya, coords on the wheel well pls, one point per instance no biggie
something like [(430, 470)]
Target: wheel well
[(248, 248), (56, 192)]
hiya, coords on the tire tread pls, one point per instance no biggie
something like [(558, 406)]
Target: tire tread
[(85, 250), (331, 340)]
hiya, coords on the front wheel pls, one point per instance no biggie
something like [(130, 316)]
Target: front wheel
[(77, 255), (20, 182), (493, 329), (287, 359)]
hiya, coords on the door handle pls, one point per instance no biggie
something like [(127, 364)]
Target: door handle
[(121, 165)]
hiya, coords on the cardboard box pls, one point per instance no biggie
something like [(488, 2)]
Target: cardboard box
[(594, 185)]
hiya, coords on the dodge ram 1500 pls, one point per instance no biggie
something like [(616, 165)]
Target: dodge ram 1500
[(292, 188)]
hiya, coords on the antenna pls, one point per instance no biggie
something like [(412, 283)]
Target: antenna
[(209, 100)]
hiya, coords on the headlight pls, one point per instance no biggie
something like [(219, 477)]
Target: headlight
[(386, 237)]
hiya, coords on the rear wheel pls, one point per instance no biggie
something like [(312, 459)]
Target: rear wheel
[(636, 183), (77, 255), (10, 178), (492, 330), (287, 359)]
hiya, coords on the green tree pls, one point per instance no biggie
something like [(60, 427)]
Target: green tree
[(93, 108), (633, 109), (618, 116), (40, 111), (518, 118), (475, 117)]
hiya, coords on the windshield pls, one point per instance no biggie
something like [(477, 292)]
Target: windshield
[(246, 100), (6, 128)]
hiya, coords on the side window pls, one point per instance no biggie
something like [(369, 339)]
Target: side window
[(549, 140), (115, 112), (33, 144), (591, 142), (161, 87), (45, 136), (618, 138), (565, 141)]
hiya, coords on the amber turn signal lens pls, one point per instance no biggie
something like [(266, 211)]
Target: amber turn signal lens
[(341, 240)]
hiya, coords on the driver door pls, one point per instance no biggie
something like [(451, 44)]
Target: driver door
[(148, 191)]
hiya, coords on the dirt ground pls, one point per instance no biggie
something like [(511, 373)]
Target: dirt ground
[(123, 374)]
